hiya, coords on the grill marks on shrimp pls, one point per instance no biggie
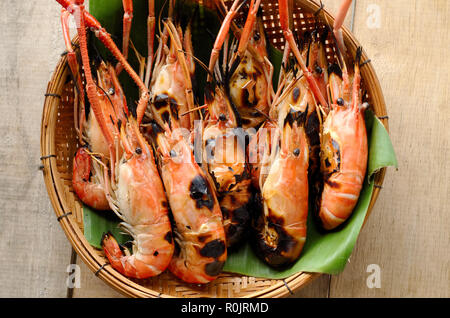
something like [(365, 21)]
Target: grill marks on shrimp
[(201, 192), (275, 243), (229, 173), (247, 89), (213, 249), (167, 107), (295, 94)]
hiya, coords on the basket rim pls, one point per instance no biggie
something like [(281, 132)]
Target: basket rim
[(88, 254)]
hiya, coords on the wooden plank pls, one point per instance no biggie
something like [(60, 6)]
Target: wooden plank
[(35, 249), (318, 288), (92, 286), (407, 235)]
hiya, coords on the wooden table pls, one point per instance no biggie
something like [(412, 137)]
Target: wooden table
[(407, 235)]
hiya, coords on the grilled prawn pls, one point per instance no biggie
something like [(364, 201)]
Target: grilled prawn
[(312, 48), (283, 154), (224, 158), (250, 83), (138, 198), (224, 140), (198, 231), (344, 149), (197, 220), (343, 138), (281, 176), (171, 89), (87, 176), (133, 187)]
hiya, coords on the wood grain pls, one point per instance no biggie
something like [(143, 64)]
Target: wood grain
[(407, 234), (92, 286), (34, 250), (318, 288)]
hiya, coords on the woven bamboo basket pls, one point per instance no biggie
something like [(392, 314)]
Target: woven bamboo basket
[(59, 143)]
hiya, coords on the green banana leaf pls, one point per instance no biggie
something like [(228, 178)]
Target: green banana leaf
[(323, 252), (96, 223)]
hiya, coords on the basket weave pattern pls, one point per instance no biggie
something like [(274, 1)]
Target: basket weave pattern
[(59, 143)]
